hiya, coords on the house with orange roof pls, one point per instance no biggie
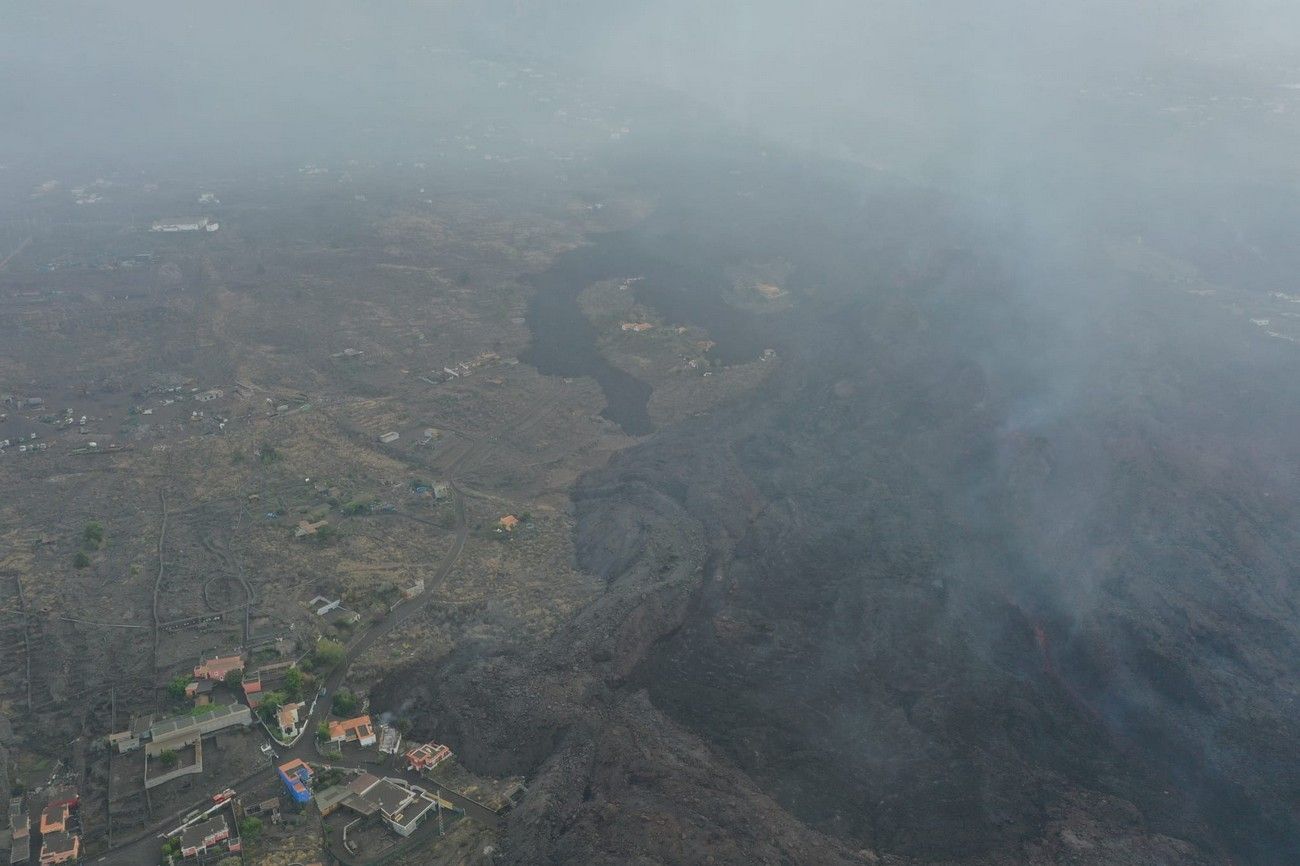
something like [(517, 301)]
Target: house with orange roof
[(509, 523), (359, 730), (58, 844), (55, 818), (252, 685), (287, 718), (219, 668), (296, 775), (60, 847)]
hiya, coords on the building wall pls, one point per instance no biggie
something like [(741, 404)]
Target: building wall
[(209, 725), (153, 780)]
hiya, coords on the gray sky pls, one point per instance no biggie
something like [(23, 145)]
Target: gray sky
[(81, 74)]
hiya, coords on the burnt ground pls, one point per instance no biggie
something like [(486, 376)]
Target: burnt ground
[(956, 586)]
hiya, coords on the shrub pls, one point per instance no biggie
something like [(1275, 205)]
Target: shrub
[(271, 702), (328, 653), (93, 535), (345, 703), (176, 688), (81, 560), (250, 828), (168, 758), (293, 684)]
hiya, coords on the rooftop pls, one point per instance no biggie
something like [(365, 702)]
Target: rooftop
[(427, 755), (20, 850), (296, 767), (359, 727), (54, 819), (411, 811), (389, 739), (217, 668), (388, 796), (296, 775), (19, 822), (180, 724), (20, 831), (59, 843), (287, 715), (196, 835)]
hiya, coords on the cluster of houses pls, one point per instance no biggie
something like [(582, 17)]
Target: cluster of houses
[(254, 684), (401, 804), (60, 841)]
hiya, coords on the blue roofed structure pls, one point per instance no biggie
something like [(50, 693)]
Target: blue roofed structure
[(297, 779)]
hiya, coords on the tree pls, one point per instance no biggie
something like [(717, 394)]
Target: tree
[(323, 732), (234, 679), (93, 535), (176, 688), (271, 703), (168, 758), (172, 847), (345, 703), (81, 560), (250, 828), (293, 684), (328, 653)]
